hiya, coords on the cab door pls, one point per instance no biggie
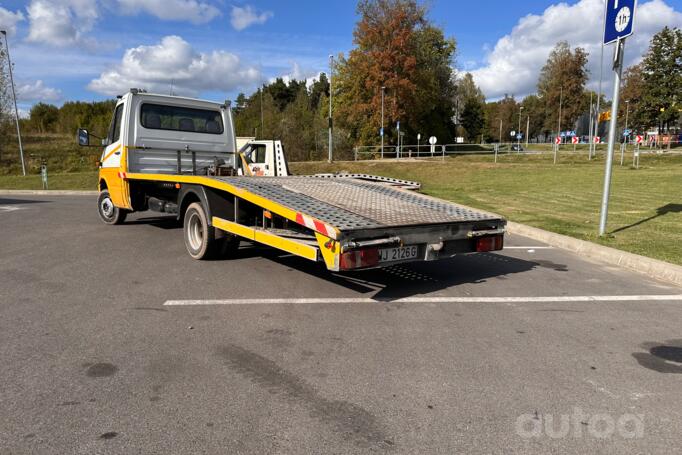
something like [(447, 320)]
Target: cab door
[(113, 160), (257, 159)]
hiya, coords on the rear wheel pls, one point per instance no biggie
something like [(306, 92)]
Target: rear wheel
[(200, 238), (108, 212)]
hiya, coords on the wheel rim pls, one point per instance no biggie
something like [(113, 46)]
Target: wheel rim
[(107, 207), (195, 232)]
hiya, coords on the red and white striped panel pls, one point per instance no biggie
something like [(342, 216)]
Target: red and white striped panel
[(122, 175), (315, 225)]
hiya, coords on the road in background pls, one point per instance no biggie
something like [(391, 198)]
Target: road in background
[(93, 362)]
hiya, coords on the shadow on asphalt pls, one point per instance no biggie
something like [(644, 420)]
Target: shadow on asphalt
[(403, 280), (394, 282), (7, 201), (163, 222)]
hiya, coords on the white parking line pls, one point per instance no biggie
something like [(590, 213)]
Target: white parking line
[(9, 208), (528, 248), (549, 299)]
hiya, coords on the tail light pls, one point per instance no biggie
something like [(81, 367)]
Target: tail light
[(490, 243), (366, 257)]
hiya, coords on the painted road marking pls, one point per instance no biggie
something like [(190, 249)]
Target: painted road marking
[(549, 299), (528, 247), (9, 208)]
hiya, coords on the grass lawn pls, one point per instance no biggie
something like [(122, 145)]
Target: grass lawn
[(66, 181), (645, 214)]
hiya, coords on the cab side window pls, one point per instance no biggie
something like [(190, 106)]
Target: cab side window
[(115, 129)]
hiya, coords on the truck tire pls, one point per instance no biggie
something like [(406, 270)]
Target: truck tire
[(200, 238), (108, 212)]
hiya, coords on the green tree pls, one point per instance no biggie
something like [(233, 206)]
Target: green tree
[(465, 89), (473, 119), (563, 78), (534, 116), (44, 117), (661, 96)]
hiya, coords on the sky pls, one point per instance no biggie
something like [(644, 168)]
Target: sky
[(66, 50)]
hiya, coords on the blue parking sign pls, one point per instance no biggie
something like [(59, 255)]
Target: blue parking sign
[(618, 20)]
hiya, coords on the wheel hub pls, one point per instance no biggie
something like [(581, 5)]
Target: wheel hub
[(107, 207)]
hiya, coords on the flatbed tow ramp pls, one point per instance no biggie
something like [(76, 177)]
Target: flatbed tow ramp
[(345, 221)]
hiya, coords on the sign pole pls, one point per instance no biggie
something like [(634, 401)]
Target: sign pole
[(617, 70)]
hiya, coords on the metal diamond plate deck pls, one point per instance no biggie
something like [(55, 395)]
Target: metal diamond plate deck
[(350, 204)]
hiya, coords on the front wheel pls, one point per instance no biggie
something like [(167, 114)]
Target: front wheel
[(108, 212)]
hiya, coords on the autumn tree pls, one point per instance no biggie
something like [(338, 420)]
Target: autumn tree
[(662, 80), (563, 78), (399, 49), (631, 95)]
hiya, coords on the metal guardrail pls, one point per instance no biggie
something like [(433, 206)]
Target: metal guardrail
[(425, 151)]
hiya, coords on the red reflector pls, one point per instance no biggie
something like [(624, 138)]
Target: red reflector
[(492, 243), (357, 259)]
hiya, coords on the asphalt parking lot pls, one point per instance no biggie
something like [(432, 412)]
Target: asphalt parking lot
[(530, 350)]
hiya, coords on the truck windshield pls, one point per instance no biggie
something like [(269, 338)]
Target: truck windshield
[(178, 118)]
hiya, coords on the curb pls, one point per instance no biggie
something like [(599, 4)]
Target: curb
[(50, 192), (653, 268)]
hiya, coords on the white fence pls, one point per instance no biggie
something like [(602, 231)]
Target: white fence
[(440, 151)]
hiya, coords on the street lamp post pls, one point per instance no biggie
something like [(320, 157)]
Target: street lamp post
[(331, 140), (383, 89), (518, 138), (527, 129), (556, 146), (16, 109), (625, 130)]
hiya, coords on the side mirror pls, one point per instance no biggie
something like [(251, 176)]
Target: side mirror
[(83, 137)]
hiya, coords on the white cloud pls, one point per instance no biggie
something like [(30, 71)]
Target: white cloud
[(37, 91), (193, 11), (8, 20), (243, 17), (299, 74), (515, 62), (174, 61), (61, 23)]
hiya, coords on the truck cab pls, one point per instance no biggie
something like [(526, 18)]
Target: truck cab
[(159, 134)]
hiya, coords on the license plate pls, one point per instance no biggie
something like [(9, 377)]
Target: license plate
[(398, 254)]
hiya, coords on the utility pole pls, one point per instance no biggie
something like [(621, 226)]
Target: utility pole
[(383, 89), (589, 129), (518, 134), (331, 140), (16, 109), (261, 110)]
